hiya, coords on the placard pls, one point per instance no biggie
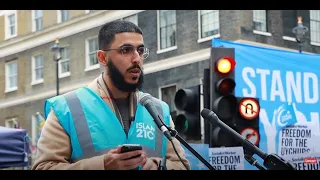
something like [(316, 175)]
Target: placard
[(297, 139), (227, 158), (309, 161)]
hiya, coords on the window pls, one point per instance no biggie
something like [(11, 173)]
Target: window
[(167, 94), (209, 23), (133, 18), (260, 20), (36, 127), (12, 123), (11, 24), (91, 54), (37, 69), (315, 26), (11, 76), (37, 20), (289, 22), (63, 15), (167, 28), (64, 65)]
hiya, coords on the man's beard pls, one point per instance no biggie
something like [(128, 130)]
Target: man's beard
[(118, 79)]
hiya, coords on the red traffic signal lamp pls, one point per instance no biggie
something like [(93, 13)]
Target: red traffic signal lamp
[(225, 86), (188, 122), (225, 65)]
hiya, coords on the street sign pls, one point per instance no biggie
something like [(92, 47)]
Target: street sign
[(251, 135), (249, 108)]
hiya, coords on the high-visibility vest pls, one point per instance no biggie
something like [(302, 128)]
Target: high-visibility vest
[(94, 128)]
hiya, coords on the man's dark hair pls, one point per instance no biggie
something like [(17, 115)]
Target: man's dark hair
[(110, 29)]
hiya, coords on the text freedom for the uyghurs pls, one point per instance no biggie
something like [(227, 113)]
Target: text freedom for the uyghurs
[(295, 141)]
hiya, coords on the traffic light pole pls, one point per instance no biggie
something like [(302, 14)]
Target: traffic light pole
[(206, 104), (175, 134)]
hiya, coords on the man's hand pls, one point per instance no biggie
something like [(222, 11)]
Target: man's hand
[(150, 165), (114, 160)]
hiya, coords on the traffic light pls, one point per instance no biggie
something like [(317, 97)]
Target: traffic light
[(222, 99), (188, 123), (239, 113)]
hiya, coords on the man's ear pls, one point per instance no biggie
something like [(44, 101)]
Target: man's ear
[(102, 57)]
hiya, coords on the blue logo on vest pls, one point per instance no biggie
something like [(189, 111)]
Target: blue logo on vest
[(143, 132)]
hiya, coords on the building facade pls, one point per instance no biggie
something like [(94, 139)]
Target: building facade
[(179, 43)]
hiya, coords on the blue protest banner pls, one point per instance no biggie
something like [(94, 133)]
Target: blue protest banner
[(287, 86), (195, 163)]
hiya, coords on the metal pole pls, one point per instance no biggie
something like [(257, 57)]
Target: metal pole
[(56, 57), (57, 75), (206, 102)]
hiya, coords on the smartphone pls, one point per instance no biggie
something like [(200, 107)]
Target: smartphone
[(131, 147)]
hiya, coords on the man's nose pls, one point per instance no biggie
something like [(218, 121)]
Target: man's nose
[(136, 58)]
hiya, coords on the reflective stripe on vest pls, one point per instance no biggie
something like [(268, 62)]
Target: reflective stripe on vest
[(84, 135)]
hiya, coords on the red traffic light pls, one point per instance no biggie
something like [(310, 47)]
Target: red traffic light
[(225, 86), (225, 65)]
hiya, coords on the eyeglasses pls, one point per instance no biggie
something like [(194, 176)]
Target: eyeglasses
[(128, 50)]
